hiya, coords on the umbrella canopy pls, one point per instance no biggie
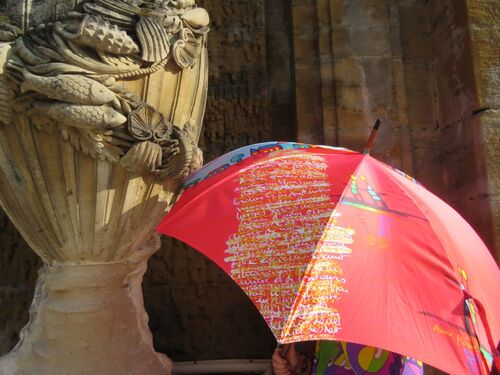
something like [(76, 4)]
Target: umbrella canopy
[(331, 244)]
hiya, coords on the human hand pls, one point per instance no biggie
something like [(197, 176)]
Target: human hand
[(280, 364), (287, 361)]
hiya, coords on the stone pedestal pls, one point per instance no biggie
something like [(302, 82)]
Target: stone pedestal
[(87, 319)]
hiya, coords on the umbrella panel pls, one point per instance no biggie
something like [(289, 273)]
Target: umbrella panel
[(335, 245)]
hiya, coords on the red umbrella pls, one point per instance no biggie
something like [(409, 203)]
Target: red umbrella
[(332, 244)]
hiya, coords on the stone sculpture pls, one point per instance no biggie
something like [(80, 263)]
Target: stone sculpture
[(100, 114)]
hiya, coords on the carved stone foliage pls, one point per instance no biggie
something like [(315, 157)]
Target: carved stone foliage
[(70, 77)]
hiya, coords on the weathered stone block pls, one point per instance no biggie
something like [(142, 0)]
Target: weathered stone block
[(426, 149), (367, 14), (364, 89), (361, 43), (419, 82), (486, 52), (483, 13), (415, 31)]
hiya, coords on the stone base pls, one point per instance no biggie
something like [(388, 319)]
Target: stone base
[(87, 319)]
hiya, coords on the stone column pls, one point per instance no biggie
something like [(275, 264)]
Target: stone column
[(101, 105)]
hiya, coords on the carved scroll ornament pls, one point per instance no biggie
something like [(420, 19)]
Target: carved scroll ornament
[(67, 77)]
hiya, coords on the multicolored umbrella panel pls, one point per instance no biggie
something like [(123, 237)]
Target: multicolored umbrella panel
[(331, 244), (346, 358)]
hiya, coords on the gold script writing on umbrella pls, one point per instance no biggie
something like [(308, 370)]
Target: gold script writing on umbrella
[(281, 213)]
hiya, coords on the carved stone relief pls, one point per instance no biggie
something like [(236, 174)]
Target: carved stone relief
[(100, 115), (66, 77)]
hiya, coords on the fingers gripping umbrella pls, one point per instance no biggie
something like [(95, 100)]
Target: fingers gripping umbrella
[(331, 244)]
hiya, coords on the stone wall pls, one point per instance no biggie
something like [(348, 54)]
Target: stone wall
[(465, 184), (484, 29), (318, 71), (428, 70)]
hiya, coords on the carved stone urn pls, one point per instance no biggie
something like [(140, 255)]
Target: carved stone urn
[(101, 107)]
